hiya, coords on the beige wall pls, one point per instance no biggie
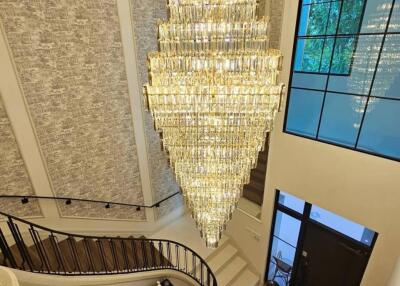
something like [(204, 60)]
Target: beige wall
[(360, 187)]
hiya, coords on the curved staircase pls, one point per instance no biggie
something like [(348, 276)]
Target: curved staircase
[(30, 247)]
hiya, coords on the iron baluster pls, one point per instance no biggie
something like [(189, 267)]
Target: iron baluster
[(161, 252), (186, 262), (153, 255), (201, 273), (18, 242), (194, 265), (169, 253), (114, 255), (89, 254), (135, 254), (177, 256), (74, 253), (144, 252), (5, 249), (125, 255), (101, 250), (42, 250), (57, 252)]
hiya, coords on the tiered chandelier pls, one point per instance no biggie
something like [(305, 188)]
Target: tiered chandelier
[(213, 94)]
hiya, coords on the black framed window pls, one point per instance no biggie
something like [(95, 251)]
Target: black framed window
[(345, 78), (289, 223), (326, 35)]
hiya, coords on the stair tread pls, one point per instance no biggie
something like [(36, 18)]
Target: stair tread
[(247, 278), (256, 185), (231, 271), (222, 257)]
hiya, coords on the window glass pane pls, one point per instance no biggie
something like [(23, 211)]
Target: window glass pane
[(362, 69), (327, 55), (343, 55), (287, 229), (305, 10), (380, 132), (387, 80), (341, 118), (308, 54), (333, 18), (291, 202), (283, 251), (351, 16), (304, 111), (280, 253), (315, 81), (375, 16), (342, 225), (318, 19), (395, 20)]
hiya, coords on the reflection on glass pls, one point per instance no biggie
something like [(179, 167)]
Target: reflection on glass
[(283, 251), (342, 126), (376, 16), (395, 21), (387, 81), (337, 53), (291, 202), (304, 110), (362, 69), (342, 225), (381, 131)]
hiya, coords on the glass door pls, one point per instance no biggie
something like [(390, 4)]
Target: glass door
[(310, 245)]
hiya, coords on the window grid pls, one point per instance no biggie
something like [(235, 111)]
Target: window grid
[(367, 96), (328, 36)]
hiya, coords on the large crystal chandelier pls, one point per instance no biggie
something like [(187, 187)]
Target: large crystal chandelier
[(213, 94)]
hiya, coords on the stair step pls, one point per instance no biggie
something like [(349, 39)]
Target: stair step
[(247, 278), (257, 186), (253, 195), (231, 271), (222, 257), (258, 176)]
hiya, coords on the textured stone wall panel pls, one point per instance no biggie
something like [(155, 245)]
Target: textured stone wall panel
[(69, 58), (276, 17), (145, 16), (14, 178)]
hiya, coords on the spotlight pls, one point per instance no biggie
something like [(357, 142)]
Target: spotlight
[(68, 202), (138, 208), (107, 206), (24, 200)]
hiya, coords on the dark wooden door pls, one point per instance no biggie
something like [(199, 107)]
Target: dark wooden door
[(330, 259)]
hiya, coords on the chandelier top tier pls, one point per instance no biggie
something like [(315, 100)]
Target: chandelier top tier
[(213, 95)]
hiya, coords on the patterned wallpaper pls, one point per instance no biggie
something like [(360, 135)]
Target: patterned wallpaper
[(276, 12), (145, 17), (70, 62), (14, 178)]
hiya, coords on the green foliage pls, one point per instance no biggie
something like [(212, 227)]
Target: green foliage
[(323, 20)]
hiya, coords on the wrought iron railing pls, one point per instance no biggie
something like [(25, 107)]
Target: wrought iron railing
[(34, 248)]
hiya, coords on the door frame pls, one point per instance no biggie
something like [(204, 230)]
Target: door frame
[(305, 220)]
